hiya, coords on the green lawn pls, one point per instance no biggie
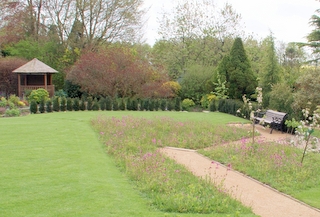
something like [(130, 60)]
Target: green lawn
[(54, 165)]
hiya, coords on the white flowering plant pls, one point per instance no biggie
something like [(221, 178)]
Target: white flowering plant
[(306, 128), (248, 105)]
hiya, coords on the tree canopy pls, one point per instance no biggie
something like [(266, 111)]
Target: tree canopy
[(9, 80), (236, 70), (118, 72)]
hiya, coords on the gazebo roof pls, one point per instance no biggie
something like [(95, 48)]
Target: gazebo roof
[(35, 66)]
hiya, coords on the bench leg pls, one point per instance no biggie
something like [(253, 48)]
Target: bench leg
[(271, 130)]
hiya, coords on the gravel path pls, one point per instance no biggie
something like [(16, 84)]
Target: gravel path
[(263, 200)]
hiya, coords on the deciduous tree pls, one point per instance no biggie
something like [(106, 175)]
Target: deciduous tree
[(307, 89), (9, 80), (91, 22), (117, 72), (195, 32)]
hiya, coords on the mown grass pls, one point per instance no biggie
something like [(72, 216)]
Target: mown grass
[(274, 164), (54, 165)]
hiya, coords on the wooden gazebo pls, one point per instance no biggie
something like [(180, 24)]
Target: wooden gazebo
[(34, 75)]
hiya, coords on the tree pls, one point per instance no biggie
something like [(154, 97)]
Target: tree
[(293, 58), (195, 32), (193, 83), (88, 23), (307, 89), (236, 69), (281, 98), (314, 36), (116, 72), (15, 23), (9, 80), (74, 24), (270, 70)]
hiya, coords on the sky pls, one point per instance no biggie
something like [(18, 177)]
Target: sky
[(288, 20)]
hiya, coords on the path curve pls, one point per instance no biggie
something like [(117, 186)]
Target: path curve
[(263, 200)]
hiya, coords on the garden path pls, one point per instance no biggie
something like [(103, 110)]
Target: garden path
[(264, 200)]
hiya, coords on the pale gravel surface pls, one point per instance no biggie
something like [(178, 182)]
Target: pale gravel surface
[(263, 200)]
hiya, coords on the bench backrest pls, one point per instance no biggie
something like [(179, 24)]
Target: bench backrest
[(272, 115)]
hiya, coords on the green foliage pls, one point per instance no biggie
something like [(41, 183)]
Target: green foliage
[(177, 104), (151, 105), (27, 93), (145, 104), (76, 104), (163, 104), (48, 51), (60, 93), (83, 104), (63, 104), (102, 103), (270, 70), (42, 108), (194, 82), (291, 125), (220, 90), (89, 103), (156, 104), (13, 112), (72, 90), (108, 103), (3, 102), (236, 70), (69, 104), (212, 106), (308, 89), (129, 104), (170, 105), (33, 107), (187, 104), (206, 100), (38, 94), (14, 99), (49, 105), (314, 37), (306, 128), (122, 105), (56, 104), (135, 104), (95, 105), (115, 104), (230, 106), (281, 98)]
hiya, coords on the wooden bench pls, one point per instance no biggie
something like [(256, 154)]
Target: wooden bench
[(276, 120)]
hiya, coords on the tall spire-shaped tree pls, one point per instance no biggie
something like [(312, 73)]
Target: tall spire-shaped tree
[(237, 71), (270, 69)]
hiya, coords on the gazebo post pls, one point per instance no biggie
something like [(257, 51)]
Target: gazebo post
[(45, 81), (19, 85)]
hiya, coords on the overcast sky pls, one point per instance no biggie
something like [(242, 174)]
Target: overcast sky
[(287, 19)]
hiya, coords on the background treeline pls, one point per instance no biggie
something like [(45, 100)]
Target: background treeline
[(202, 54)]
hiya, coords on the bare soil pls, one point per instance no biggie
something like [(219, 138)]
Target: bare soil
[(264, 200)]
